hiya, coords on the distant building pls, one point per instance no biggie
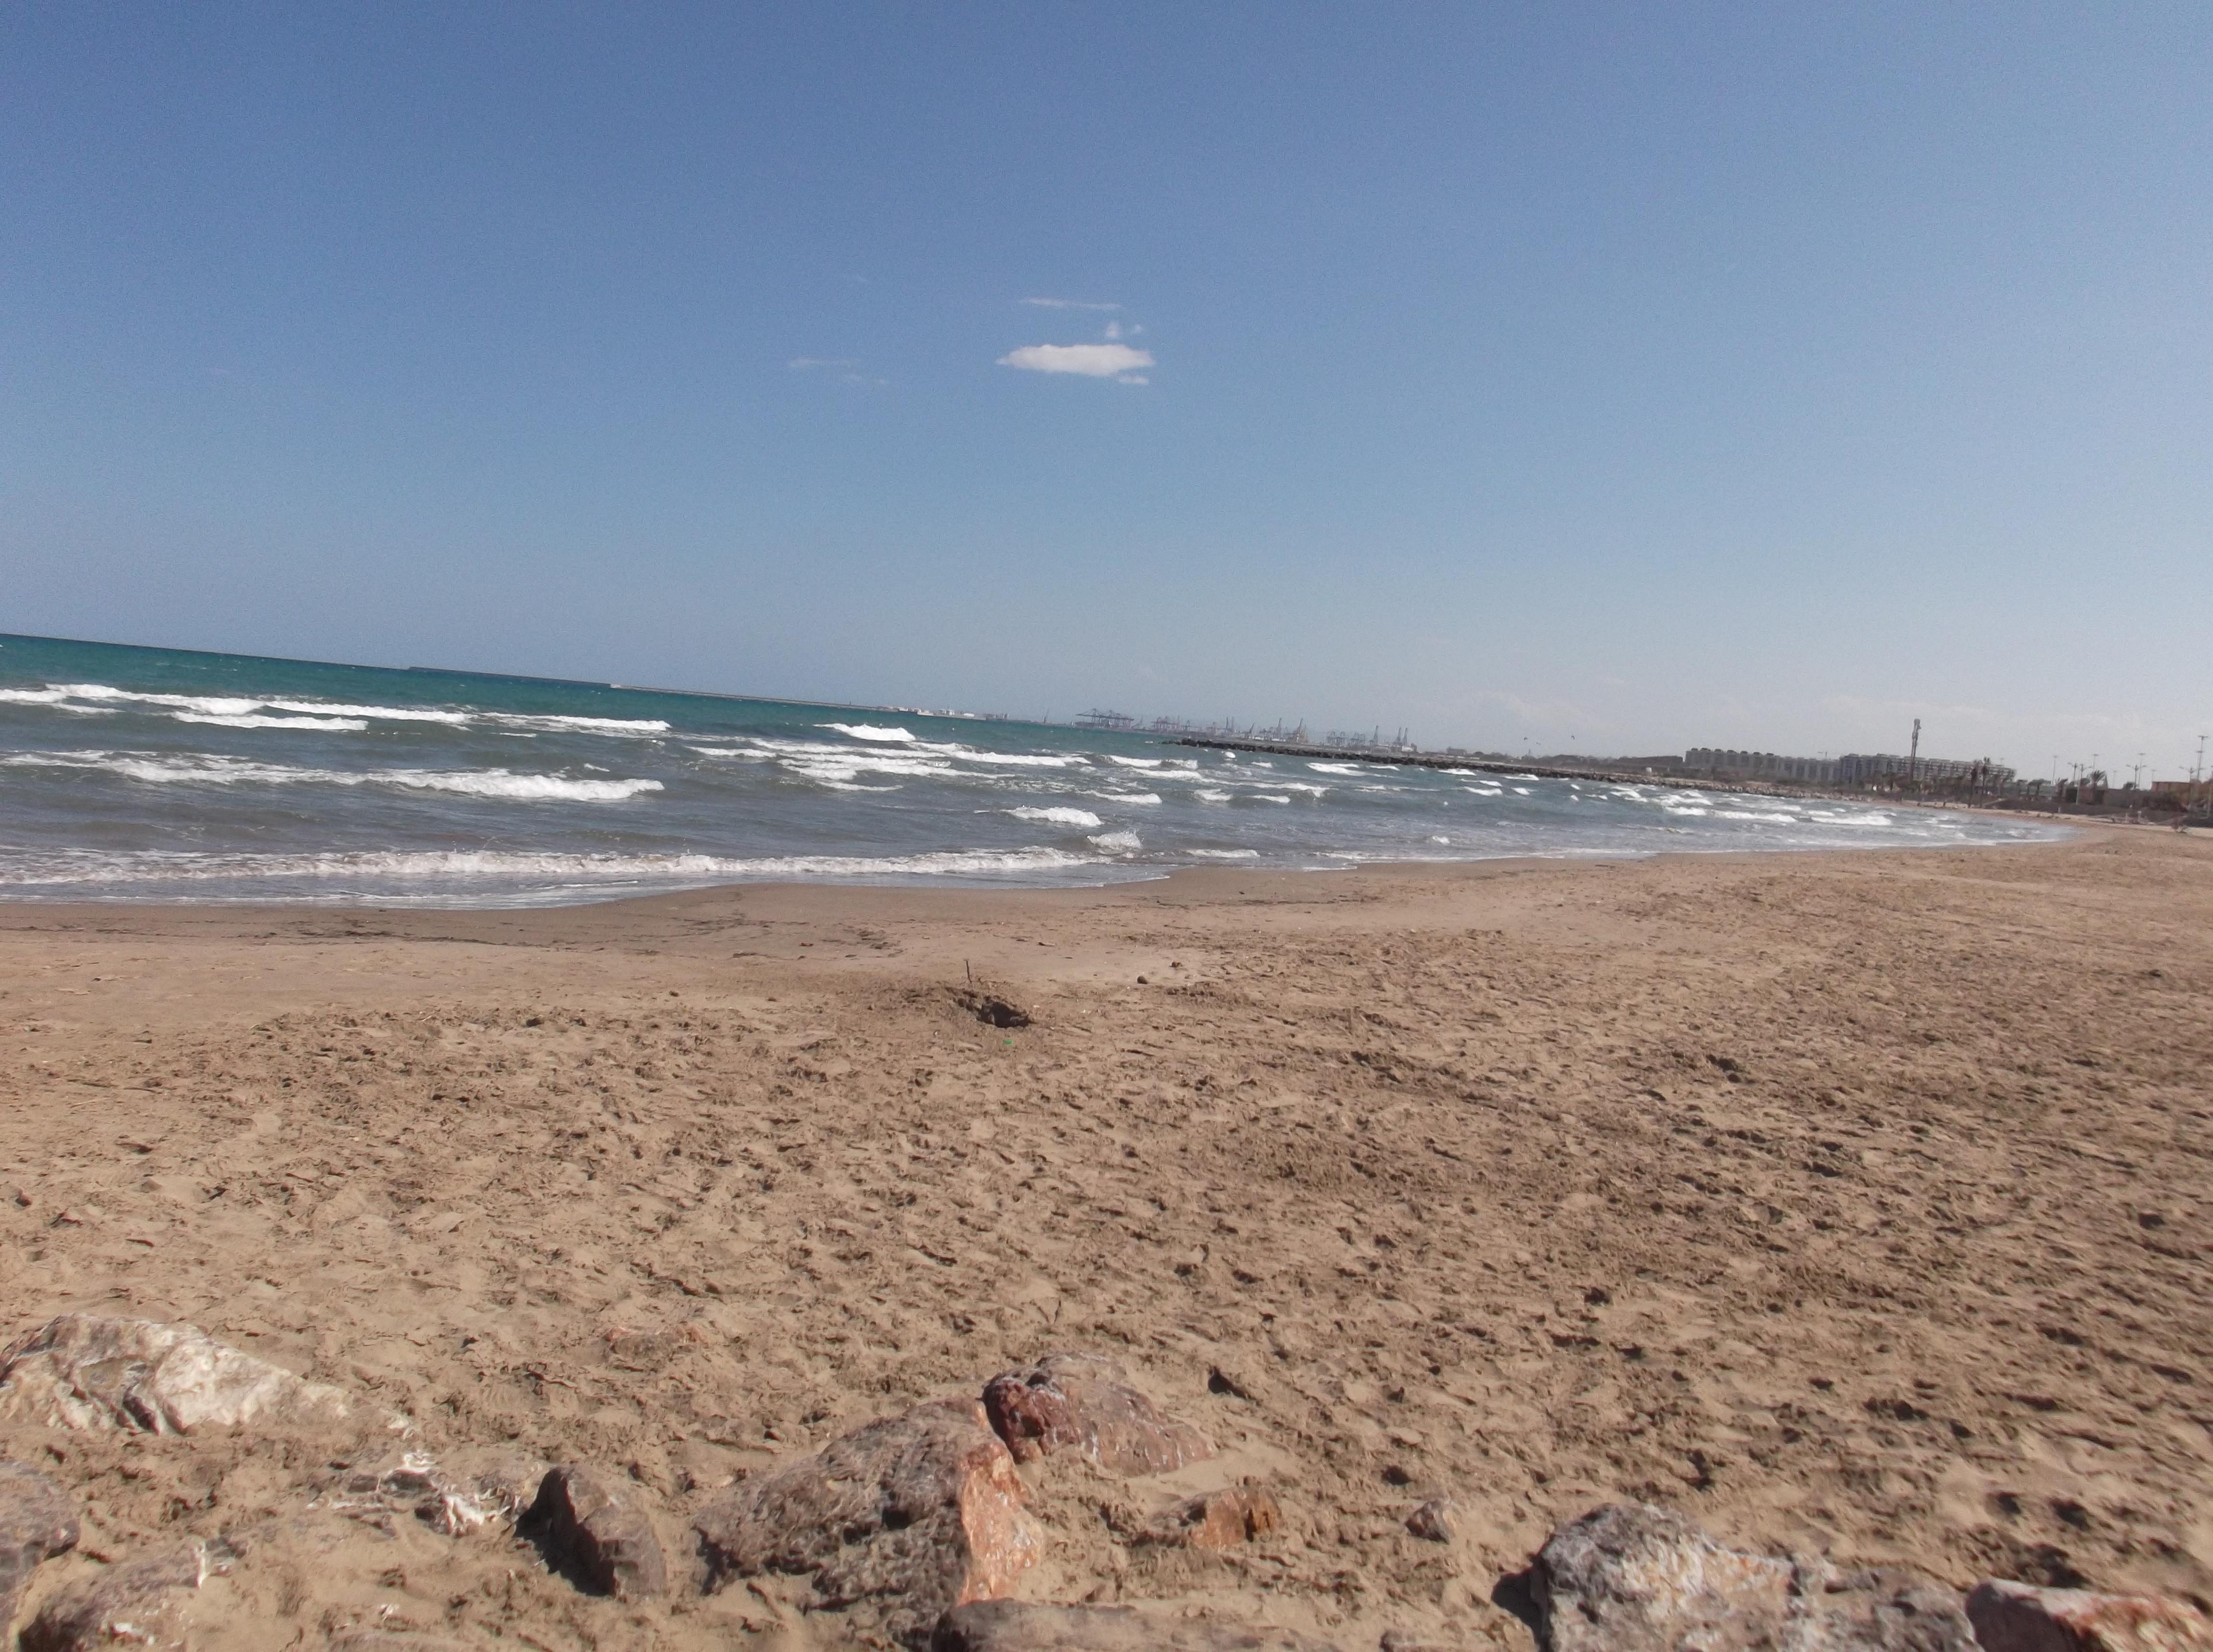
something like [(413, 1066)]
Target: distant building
[(1761, 765), (1886, 769), (1854, 769)]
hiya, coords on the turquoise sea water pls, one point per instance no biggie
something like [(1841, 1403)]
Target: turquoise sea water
[(158, 775)]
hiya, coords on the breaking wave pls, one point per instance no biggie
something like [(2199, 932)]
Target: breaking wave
[(213, 769)]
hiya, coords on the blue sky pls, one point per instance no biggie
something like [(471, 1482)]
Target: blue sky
[(1618, 378)]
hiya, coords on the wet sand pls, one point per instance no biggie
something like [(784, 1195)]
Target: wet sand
[(1856, 1202)]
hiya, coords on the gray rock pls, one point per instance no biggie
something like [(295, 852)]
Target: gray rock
[(909, 1517), (1630, 1577), (597, 1533), (1433, 1521), (144, 1603), (1080, 1402), (1029, 1626), (37, 1521), (86, 1371), (2018, 1618)]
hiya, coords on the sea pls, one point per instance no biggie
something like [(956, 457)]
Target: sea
[(138, 774)]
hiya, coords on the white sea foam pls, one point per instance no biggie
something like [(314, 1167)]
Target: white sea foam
[(506, 867), (871, 731), (1215, 797), (1007, 759), (1134, 762), (57, 697), (1119, 842), (339, 716), (208, 769), (1224, 854), (830, 772), (577, 725), (333, 725), (1067, 817), (1754, 815), (379, 713), (1263, 797), (1338, 768)]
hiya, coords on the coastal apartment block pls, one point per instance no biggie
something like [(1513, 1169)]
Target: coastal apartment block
[(1883, 769), (1761, 765)]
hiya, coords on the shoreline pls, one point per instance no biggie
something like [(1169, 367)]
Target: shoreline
[(1443, 868), (1759, 1184)]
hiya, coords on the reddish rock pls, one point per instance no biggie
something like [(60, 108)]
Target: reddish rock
[(1027, 1626), (37, 1521), (1220, 1519), (906, 1518), (1630, 1577), (2017, 1618), (143, 1603), (1078, 1402), (87, 1371), (597, 1533)]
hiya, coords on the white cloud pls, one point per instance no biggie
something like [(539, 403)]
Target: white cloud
[(1068, 304), (1091, 361)]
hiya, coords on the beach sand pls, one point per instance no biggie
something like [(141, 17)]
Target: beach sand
[(1853, 1203)]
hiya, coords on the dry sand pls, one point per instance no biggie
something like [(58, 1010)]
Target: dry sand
[(1847, 1201)]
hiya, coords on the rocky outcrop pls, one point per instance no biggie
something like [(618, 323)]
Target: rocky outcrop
[(37, 1521), (1027, 1626), (1079, 1402), (1218, 1520), (86, 1371), (2018, 1618), (141, 1603), (597, 1533), (1630, 1577), (908, 1516)]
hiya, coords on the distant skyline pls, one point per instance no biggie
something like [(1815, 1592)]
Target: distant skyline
[(1605, 378)]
